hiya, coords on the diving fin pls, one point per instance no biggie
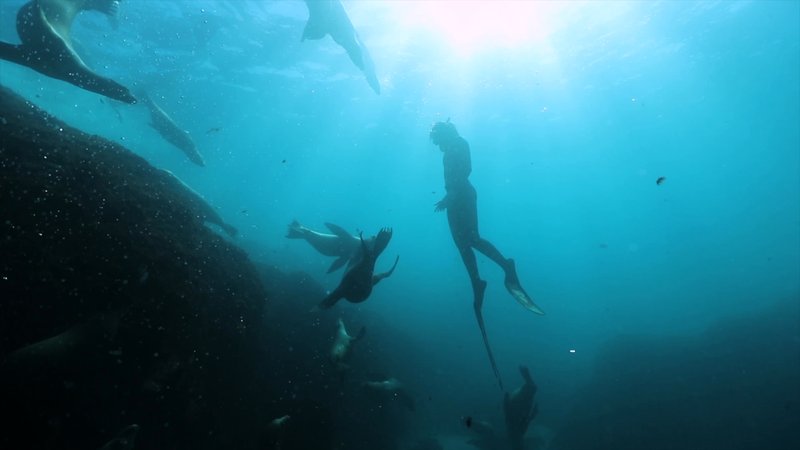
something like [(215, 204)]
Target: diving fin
[(516, 290), (479, 316)]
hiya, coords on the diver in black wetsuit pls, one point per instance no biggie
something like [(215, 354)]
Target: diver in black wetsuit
[(462, 215)]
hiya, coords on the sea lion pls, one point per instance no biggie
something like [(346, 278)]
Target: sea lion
[(329, 17), (44, 30), (358, 280), (342, 344), (166, 127), (196, 203), (520, 409), (341, 244), (393, 389)]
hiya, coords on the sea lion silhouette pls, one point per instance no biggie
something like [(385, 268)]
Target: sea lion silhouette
[(44, 29)]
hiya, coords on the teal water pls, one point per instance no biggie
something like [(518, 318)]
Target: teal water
[(570, 121)]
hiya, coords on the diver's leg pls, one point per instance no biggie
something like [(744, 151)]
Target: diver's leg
[(468, 256), (491, 252)]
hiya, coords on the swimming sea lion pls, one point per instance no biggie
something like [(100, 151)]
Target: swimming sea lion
[(167, 128), (520, 410), (196, 203), (44, 29), (342, 344), (341, 244), (358, 280), (329, 17), (393, 389)]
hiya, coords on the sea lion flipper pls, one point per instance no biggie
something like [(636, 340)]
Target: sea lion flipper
[(107, 7), (46, 48), (330, 300), (337, 230), (377, 278), (337, 264), (361, 333), (526, 375), (11, 52), (317, 23), (295, 231)]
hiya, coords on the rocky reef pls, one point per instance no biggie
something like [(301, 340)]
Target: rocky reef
[(126, 321), (118, 305)]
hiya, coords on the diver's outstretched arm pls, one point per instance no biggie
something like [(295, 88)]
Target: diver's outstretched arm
[(380, 276)]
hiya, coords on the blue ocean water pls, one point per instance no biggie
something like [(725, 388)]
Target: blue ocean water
[(572, 111)]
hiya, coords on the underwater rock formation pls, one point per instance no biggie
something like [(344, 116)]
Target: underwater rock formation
[(120, 309), (117, 304)]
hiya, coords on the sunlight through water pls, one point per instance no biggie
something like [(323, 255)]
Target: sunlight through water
[(470, 26)]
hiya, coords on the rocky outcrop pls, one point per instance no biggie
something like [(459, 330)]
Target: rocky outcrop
[(117, 304)]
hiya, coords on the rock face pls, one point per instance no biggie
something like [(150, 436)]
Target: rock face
[(117, 304)]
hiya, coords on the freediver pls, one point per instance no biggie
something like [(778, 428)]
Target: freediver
[(461, 205)]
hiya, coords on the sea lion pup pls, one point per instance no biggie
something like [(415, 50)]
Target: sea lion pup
[(393, 389), (329, 17), (358, 280), (44, 30), (124, 440), (520, 410), (341, 244), (197, 204), (166, 127), (342, 344)]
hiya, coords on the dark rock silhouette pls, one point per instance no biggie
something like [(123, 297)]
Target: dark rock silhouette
[(117, 305)]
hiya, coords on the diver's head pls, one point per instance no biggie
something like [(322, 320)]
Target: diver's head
[(443, 132)]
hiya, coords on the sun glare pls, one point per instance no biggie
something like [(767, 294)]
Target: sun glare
[(472, 26)]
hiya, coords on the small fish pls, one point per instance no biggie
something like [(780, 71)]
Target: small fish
[(468, 422), (660, 180), (283, 162), (244, 211), (213, 130)]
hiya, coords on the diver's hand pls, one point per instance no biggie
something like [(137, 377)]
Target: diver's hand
[(441, 205)]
